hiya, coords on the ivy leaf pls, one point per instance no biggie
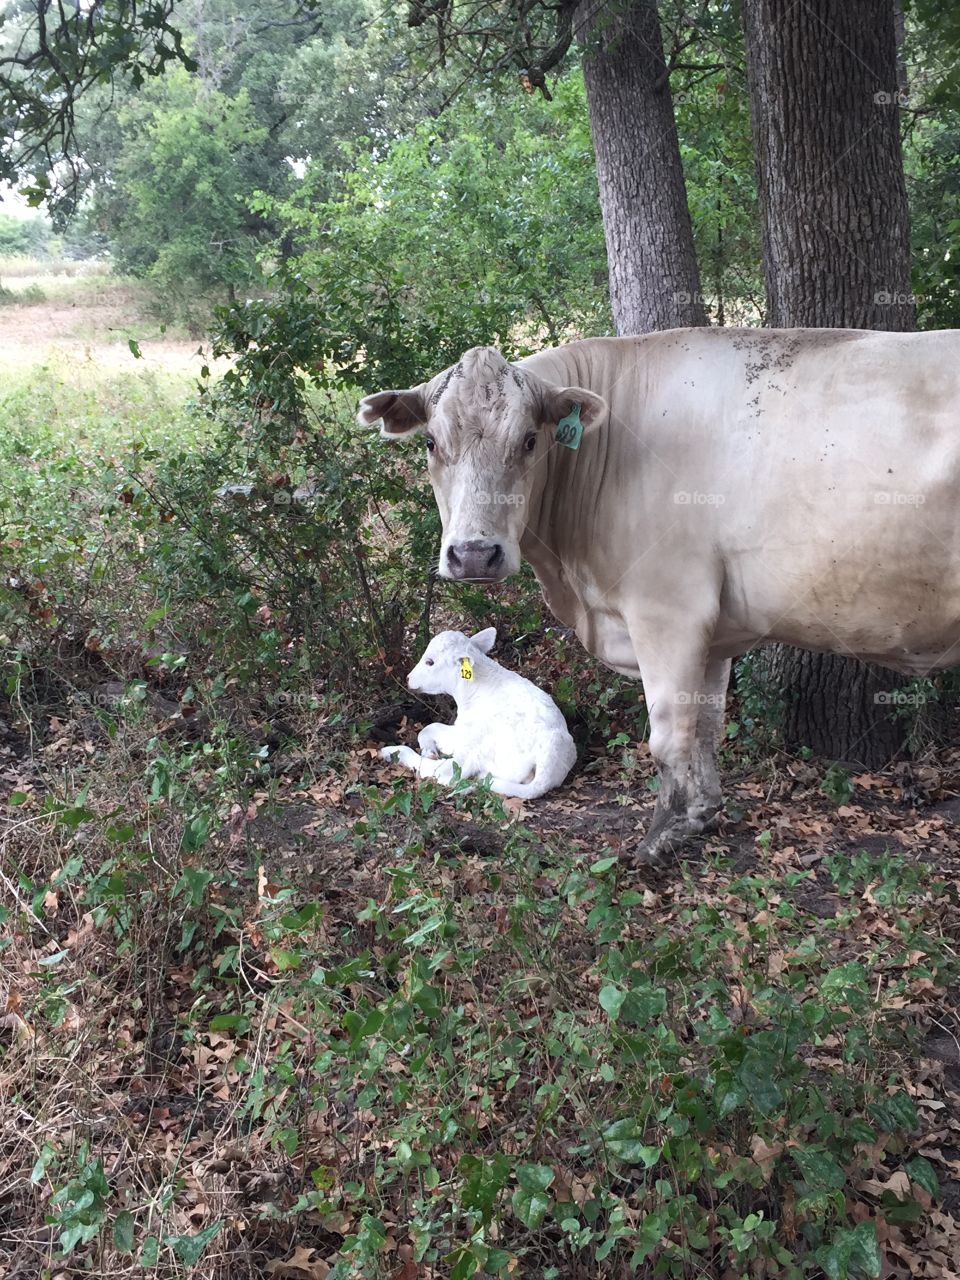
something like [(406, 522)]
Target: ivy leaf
[(531, 1200), (189, 1249), (922, 1172), (851, 1253), (624, 1143), (611, 1001), (123, 1231), (819, 1170)]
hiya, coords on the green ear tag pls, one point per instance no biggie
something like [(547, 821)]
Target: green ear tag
[(570, 429)]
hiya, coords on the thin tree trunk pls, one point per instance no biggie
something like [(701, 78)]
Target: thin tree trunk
[(654, 280), (836, 252)]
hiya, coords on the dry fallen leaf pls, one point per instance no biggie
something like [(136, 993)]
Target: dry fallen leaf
[(301, 1264)]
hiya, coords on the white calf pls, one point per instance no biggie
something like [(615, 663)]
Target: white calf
[(505, 726)]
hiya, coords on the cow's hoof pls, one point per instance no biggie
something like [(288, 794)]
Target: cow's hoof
[(655, 850), (667, 839)]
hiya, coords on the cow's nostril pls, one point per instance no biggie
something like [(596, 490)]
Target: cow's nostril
[(454, 559), (495, 557)]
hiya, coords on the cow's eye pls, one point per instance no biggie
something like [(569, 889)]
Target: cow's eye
[(430, 443), (530, 443)]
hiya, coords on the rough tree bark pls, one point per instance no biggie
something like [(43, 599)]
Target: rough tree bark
[(654, 279), (836, 252)]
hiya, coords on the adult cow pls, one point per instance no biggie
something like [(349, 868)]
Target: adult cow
[(728, 487)]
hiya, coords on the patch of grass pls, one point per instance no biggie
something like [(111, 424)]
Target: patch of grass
[(77, 410), (14, 266)]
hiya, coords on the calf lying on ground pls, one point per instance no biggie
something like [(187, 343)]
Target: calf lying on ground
[(505, 726)]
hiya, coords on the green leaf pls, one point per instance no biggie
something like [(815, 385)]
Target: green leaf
[(611, 1000), (922, 1172), (534, 1177), (123, 1231), (189, 1249), (150, 1252), (530, 1206), (643, 1004), (728, 1099), (16, 798), (229, 1022), (483, 1180), (598, 868), (895, 1113), (819, 1170), (839, 982), (134, 348), (625, 1143), (465, 1263), (851, 1252), (757, 1077)]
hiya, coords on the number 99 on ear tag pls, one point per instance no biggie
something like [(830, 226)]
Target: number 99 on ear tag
[(570, 429), (466, 669)]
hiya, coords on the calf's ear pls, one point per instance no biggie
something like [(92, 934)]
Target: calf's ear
[(558, 403), (485, 640), (400, 413)]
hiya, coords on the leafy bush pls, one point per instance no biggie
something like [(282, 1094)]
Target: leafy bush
[(470, 230)]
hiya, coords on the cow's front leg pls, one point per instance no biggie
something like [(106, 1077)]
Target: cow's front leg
[(674, 687)]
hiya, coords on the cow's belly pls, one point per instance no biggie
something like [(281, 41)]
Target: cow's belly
[(902, 612)]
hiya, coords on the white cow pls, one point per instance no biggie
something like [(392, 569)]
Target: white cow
[(505, 727), (687, 495)]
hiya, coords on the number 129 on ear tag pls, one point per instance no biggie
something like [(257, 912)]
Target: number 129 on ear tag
[(570, 429), (466, 669)]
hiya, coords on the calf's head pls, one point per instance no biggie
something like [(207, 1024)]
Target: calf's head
[(449, 660), (488, 427)]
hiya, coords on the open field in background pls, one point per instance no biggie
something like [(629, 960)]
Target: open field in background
[(272, 1011), (86, 316)]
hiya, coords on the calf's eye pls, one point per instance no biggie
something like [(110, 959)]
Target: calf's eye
[(530, 443), (428, 662), (430, 443)]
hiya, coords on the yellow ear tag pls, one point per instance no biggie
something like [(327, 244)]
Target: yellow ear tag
[(466, 669)]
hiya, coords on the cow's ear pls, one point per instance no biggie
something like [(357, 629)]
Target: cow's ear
[(485, 640), (400, 413), (559, 402)]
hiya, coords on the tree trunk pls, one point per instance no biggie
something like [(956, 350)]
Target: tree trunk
[(654, 280), (836, 252)]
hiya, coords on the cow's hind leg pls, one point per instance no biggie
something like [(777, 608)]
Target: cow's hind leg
[(684, 723)]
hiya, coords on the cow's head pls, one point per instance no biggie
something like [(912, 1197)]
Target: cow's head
[(488, 427)]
